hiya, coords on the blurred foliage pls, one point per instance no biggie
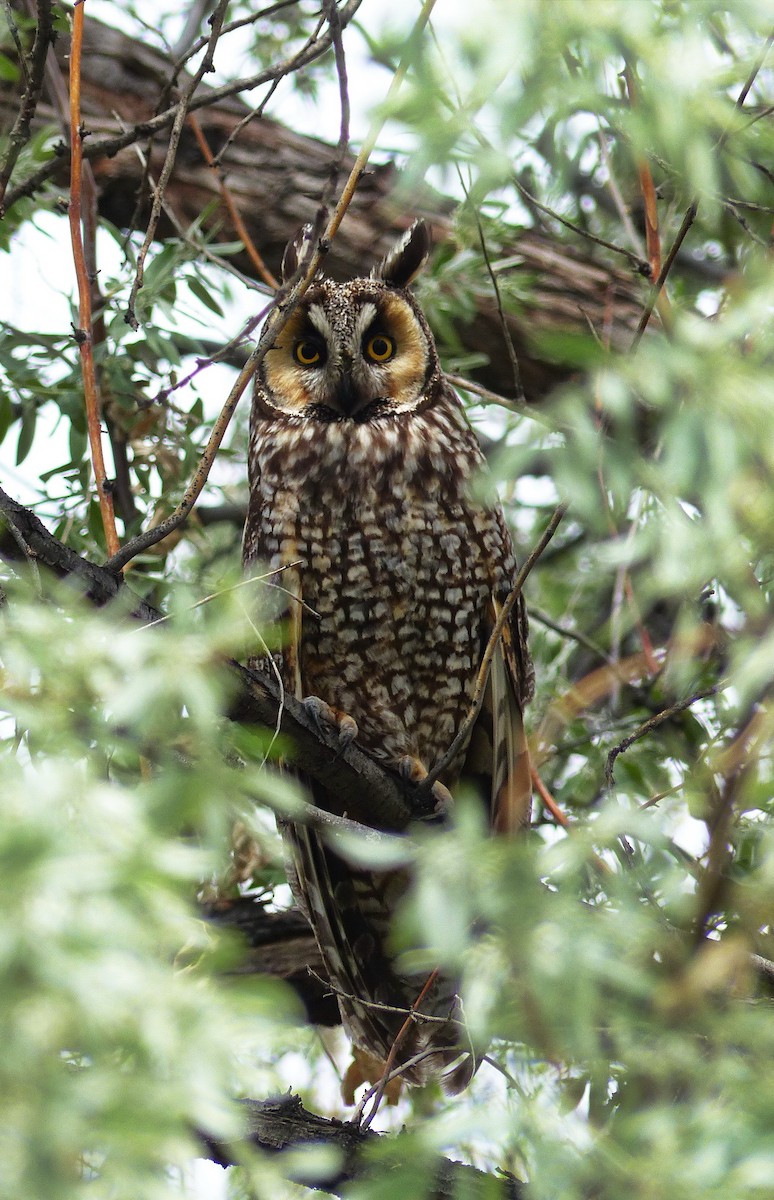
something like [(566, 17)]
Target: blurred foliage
[(119, 785), (607, 966)]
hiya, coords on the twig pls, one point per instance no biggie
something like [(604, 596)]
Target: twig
[(33, 83), (206, 65), (162, 396), (290, 65), (650, 209), (187, 50), (687, 222), (334, 25), (84, 333), (652, 723), (200, 245), (14, 31), (512, 358), (587, 692), (736, 764), (465, 729), (640, 265), (379, 1090), (332, 824), (151, 536), (373, 133), (236, 218), (575, 635), (196, 14), (376, 1006), (754, 72), (619, 203)]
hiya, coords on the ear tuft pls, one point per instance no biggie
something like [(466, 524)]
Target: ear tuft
[(298, 252), (406, 258)]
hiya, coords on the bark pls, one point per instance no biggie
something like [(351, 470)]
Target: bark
[(277, 176), (284, 1124)]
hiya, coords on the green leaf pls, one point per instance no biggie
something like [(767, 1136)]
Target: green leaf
[(9, 70), (204, 295), (29, 419)]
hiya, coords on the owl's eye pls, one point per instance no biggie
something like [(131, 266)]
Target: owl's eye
[(379, 348), (309, 353)]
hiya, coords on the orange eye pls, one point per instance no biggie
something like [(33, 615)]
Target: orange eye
[(380, 348), (308, 353)]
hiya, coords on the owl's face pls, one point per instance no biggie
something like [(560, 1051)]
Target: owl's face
[(356, 351)]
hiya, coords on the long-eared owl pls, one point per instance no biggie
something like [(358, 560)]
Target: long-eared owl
[(362, 472)]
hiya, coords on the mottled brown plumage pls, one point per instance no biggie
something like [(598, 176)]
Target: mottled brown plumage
[(361, 470)]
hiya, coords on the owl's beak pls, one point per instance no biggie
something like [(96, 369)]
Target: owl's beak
[(347, 397)]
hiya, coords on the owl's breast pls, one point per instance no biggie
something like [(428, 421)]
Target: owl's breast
[(397, 570)]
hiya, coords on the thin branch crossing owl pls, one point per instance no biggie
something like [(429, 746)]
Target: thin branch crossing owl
[(361, 468)]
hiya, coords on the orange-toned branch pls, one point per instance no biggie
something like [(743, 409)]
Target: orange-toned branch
[(556, 812), (84, 331), (236, 218), (648, 193), (390, 1063)]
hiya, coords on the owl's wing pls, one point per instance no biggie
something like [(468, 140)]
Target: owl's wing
[(511, 801), (498, 756)]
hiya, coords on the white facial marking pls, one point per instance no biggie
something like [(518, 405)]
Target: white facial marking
[(319, 319)]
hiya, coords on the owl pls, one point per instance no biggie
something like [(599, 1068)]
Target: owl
[(363, 473)]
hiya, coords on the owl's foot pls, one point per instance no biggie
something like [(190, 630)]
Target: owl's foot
[(415, 771), (332, 720)]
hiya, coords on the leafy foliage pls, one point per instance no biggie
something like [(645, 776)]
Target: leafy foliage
[(610, 967)]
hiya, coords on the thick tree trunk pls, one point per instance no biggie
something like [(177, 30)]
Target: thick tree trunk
[(276, 178)]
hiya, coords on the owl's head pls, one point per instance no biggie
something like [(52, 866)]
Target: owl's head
[(356, 351)]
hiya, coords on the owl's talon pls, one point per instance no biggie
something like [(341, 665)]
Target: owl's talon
[(415, 771), (332, 720), (444, 801)]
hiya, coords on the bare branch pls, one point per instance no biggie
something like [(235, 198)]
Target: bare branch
[(108, 146), (648, 726)]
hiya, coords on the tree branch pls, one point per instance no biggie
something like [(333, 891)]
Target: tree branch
[(284, 1124), (360, 788)]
